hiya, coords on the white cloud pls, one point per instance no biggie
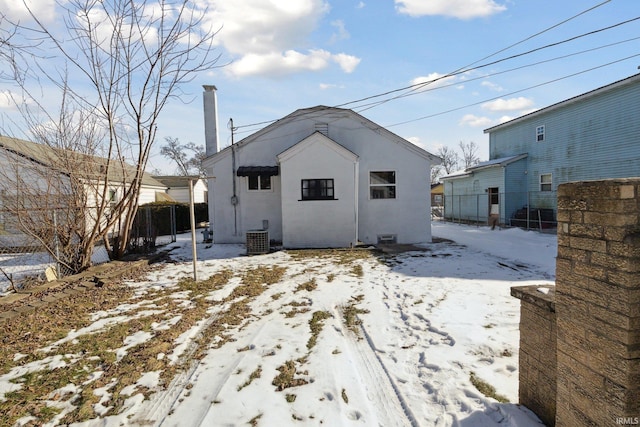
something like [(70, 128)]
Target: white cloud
[(270, 37), (512, 104), (7, 100), (433, 80), (276, 64), (16, 10), (461, 9), (348, 63), (291, 61), (492, 86), (341, 31), (415, 140), (259, 27), (475, 121), (360, 5)]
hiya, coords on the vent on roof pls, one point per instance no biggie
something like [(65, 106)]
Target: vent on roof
[(323, 128)]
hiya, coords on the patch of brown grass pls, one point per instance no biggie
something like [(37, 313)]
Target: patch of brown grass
[(350, 314), (486, 388), (316, 324), (286, 377), (254, 375), (308, 286)]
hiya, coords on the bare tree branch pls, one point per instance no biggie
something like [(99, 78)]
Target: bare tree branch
[(177, 152), (469, 154), (450, 159), (128, 60)]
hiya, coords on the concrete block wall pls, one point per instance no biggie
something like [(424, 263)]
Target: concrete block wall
[(598, 303), (537, 371)]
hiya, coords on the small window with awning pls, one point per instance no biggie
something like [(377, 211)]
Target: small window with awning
[(258, 177)]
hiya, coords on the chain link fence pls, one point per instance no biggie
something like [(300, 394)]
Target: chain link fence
[(530, 210), (31, 258), (25, 258)]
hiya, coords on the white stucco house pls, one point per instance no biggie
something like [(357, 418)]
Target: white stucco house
[(319, 177)]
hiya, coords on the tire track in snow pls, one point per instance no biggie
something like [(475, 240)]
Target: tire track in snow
[(161, 407), (390, 405)]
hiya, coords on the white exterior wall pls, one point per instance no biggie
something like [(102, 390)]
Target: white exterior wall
[(407, 216), (148, 194), (231, 223), (319, 223), (181, 194)]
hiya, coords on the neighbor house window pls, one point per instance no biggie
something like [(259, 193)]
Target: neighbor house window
[(382, 185), (545, 182), (113, 196), (540, 133), (259, 182), (317, 189)]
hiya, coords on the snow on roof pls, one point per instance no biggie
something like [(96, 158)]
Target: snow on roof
[(501, 162)]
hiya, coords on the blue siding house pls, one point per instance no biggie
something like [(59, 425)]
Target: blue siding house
[(591, 136)]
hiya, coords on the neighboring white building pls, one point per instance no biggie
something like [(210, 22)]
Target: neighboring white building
[(178, 188), (30, 172), (319, 177)]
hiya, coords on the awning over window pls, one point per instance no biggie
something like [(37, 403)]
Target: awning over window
[(258, 170)]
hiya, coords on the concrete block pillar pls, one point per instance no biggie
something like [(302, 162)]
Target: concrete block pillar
[(598, 303)]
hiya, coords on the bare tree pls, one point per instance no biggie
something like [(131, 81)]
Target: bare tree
[(436, 173), (128, 60), (187, 165), (469, 154), (450, 159)]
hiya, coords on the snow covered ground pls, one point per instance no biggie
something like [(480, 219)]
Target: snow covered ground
[(431, 321)]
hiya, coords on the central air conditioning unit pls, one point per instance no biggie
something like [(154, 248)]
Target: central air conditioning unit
[(257, 242)]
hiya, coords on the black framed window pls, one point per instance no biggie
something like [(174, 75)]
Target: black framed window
[(382, 185), (317, 189), (259, 182)]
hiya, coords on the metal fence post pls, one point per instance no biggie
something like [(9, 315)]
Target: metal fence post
[(56, 244)]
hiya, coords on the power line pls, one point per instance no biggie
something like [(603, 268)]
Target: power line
[(417, 86), (514, 92), (509, 70)]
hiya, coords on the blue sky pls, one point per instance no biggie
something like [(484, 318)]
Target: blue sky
[(281, 55)]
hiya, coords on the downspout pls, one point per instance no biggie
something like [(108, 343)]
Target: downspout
[(356, 200), (234, 197)]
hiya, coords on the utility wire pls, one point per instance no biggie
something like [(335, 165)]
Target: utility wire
[(509, 70), (514, 92), (466, 68), (418, 86)]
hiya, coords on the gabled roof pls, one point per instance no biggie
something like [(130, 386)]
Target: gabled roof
[(317, 138), (321, 111), (501, 162), (44, 155), (579, 98)]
